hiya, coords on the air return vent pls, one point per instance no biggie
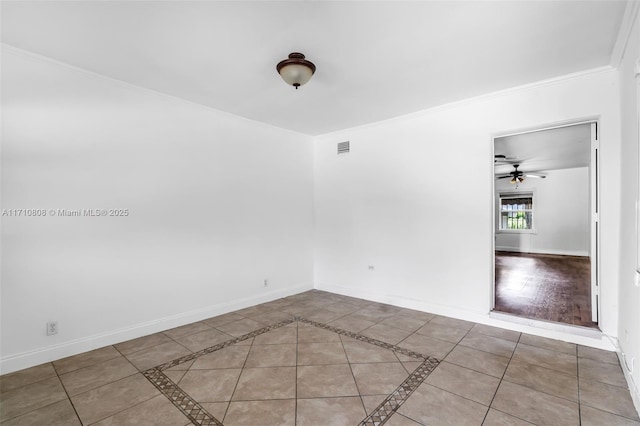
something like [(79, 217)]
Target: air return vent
[(343, 147)]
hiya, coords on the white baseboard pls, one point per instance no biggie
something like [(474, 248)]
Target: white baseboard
[(592, 333), (62, 350), (578, 335), (633, 387), (544, 251)]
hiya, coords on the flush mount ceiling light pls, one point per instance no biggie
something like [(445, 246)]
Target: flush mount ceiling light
[(296, 70)]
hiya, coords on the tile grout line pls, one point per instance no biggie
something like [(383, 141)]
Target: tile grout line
[(121, 411), (502, 379), (578, 382), (540, 391), (122, 378), (444, 360), (78, 369), (566, 374), (68, 396), (117, 412), (145, 348), (48, 405), (578, 403), (88, 365), (612, 413), (354, 376), (244, 364)]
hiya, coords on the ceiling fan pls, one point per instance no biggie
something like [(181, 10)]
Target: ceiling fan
[(518, 175), (503, 159)]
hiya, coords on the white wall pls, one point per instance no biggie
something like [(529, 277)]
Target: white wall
[(74, 140), (217, 204), (629, 180), (561, 214), (413, 198)]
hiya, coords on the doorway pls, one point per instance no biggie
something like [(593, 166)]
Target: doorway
[(546, 224)]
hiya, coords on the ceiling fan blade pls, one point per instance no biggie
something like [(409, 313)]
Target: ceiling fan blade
[(503, 159), (503, 177), (535, 175)]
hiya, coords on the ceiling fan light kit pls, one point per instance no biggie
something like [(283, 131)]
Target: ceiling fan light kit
[(518, 176), (296, 70)]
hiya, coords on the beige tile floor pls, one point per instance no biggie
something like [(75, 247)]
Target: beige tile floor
[(302, 372)]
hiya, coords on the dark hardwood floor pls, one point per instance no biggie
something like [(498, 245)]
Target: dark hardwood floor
[(547, 287)]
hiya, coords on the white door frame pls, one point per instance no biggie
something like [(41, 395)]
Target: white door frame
[(637, 274), (594, 252), (594, 188)]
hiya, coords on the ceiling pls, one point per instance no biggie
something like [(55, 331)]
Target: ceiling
[(553, 149), (375, 60)]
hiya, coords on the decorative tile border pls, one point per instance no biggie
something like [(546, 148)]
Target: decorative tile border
[(189, 407), (200, 416), (398, 397), (366, 339), (222, 345)]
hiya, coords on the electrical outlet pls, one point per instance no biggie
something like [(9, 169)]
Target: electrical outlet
[(266, 282), (52, 327), (372, 267)]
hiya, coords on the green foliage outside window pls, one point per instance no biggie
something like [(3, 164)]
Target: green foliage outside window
[(516, 213)]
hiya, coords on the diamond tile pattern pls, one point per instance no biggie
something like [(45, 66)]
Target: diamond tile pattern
[(327, 386), (318, 358)]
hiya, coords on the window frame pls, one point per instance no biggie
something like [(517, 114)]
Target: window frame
[(511, 195)]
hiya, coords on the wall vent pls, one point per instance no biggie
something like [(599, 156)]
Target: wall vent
[(343, 147)]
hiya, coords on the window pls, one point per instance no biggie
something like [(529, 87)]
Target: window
[(516, 212)]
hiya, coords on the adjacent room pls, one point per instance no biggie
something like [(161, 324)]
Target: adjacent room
[(546, 200), (320, 213)]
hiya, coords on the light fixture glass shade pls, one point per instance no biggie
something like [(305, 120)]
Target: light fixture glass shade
[(296, 70), (296, 75)]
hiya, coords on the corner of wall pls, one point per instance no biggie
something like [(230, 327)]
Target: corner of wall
[(628, 375)]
